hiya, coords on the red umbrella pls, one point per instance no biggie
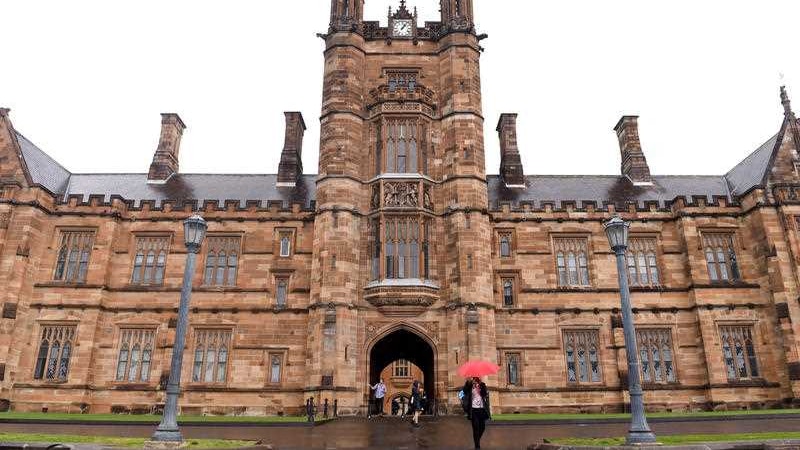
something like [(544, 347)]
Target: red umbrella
[(478, 369)]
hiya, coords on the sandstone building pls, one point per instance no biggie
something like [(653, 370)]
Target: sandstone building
[(401, 248)]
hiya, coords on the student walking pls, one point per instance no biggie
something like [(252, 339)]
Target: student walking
[(380, 393), (415, 405), (476, 401)]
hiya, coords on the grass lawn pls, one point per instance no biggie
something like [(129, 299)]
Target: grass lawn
[(115, 441), (149, 418), (688, 439), (515, 417)]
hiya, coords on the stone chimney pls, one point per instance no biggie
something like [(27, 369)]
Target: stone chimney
[(165, 161), (510, 160), (634, 163), (291, 166)]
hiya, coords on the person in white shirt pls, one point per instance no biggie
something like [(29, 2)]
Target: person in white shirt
[(380, 393)]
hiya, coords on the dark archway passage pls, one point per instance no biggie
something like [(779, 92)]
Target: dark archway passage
[(404, 344)]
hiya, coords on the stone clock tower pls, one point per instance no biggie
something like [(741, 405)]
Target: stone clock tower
[(401, 269)]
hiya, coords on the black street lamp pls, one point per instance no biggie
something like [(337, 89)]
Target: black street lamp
[(167, 432), (639, 433)]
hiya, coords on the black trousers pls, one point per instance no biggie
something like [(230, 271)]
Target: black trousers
[(479, 418), (378, 406)]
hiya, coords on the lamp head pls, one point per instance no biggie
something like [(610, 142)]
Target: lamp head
[(194, 231), (617, 233)]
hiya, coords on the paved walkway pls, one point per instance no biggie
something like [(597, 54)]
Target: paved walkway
[(394, 434)]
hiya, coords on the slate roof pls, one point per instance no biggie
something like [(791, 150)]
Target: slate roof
[(198, 187), (750, 172), (43, 169), (600, 189)]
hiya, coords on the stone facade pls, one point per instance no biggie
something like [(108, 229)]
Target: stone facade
[(400, 248)]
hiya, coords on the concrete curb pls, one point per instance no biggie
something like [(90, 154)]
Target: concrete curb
[(745, 445), (650, 420)]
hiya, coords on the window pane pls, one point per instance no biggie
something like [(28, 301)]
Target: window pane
[(219, 276), (197, 370), (52, 362), (222, 365), (653, 269), (208, 278), (233, 262), (41, 360), (160, 266), (63, 367), (122, 365), (134, 365), (572, 262), (137, 268), (211, 358), (146, 365)]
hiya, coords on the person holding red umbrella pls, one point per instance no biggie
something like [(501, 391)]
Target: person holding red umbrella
[(476, 396)]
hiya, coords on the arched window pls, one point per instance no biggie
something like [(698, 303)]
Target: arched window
[(583, 359), (135, 354), (505, 245), (739, 352), (148, 268), (233, 263), (41, 360), (286, 246), (508, 292), (280, 294), (134, 364), (222, 364), (211, 356), (572, 262), (55, 352), (222, 261), (275, 369), (403, 136), (61, 264), (138, 263), (512, 368), (122, 362), (720, 257), (655, 353)]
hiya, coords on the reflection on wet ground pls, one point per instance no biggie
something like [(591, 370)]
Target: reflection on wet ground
[(395, 434)]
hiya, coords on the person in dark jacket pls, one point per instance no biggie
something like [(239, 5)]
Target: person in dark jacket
[(476, 396), (416, 402)]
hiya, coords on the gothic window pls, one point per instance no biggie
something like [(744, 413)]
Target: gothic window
[(281, 291), (211, 351), (402, 368), (376, 249), (222, 261), (582, 351), (72, 262), (508, 291), (739, 352), (402, 146), (513, 368), (150, 260), (275, 367), (55, 352), (135, 355), (403, 247), (285, 239), (402, 81), (642, 262), (572, 262), (656, 355), (720, 257), (505, 245)]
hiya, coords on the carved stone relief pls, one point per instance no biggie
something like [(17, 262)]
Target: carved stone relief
[(401, 194)]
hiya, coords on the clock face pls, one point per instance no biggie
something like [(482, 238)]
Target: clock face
[(402, 28)]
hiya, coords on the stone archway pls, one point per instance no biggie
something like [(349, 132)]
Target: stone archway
[(404, 343)]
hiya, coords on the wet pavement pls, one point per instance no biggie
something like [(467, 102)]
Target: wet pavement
[(395, 434)]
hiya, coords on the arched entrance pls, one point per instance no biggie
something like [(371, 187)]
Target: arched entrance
[(404, 345)]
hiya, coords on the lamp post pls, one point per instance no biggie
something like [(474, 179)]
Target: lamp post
[(167, 432), (639, 433)]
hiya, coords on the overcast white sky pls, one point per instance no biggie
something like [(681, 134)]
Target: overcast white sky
[(87, 79)]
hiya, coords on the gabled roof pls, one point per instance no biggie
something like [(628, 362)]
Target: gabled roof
[(43, 170), (752, 171)]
